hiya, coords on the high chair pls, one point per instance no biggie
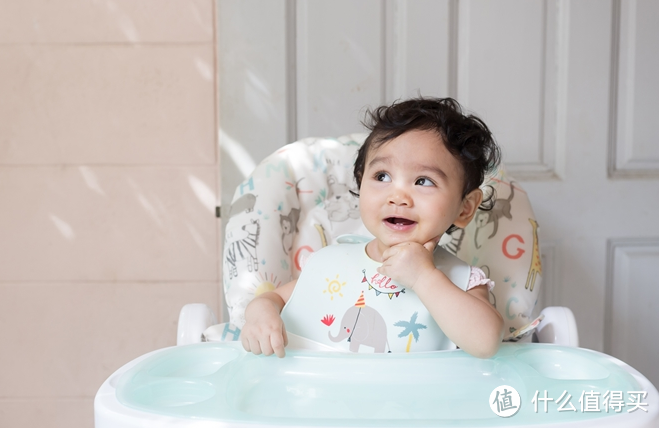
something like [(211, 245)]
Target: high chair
[(297, 201)]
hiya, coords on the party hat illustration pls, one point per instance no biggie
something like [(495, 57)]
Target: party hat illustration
[(360, 302)]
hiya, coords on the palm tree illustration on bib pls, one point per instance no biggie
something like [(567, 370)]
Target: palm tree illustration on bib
[(411, 329)]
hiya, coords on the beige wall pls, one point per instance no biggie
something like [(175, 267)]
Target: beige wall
[(108, 183)]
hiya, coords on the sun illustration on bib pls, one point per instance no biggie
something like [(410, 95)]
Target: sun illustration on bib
[(334, 286)]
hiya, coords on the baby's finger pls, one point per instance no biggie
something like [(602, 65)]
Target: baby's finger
[(285, 336), (255, 347), (390, 252), (383, 270), (277, 342), (245, 342), (430, 245), (386, 255), (266, 347)]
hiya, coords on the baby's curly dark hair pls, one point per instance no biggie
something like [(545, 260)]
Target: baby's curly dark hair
[(465, 136)]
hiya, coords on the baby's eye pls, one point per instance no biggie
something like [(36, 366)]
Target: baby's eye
[(423, 181), (382, 176)]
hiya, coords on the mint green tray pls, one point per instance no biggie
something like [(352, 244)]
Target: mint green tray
[(220, 381)]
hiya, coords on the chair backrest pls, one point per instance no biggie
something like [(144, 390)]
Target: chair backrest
[(297, 201)]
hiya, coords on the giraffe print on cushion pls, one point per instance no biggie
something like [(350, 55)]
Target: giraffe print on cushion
[(536, 264)]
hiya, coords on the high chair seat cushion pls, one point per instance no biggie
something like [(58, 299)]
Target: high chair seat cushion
[(503, 242), (298, 200)]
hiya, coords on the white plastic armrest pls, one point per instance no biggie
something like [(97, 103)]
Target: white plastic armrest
[(558, 327), (192, 321)]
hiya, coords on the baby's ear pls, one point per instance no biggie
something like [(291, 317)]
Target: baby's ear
[(470, 205)]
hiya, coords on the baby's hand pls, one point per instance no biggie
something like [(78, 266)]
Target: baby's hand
[(406, 262), (264, 330)]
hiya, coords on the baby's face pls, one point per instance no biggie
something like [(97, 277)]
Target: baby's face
[(411, 190)]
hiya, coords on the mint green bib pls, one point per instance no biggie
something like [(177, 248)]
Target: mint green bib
[(341, 301)]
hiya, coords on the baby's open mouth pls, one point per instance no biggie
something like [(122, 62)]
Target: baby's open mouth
[(400, 221)]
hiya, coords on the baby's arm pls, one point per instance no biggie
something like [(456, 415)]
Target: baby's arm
[(264, 331), (467, 318)]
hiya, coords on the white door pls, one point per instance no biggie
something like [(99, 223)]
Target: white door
[(568, 88)]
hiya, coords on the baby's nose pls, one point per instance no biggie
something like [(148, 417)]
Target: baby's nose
[(400, 197)]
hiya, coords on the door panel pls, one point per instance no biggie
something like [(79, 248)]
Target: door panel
[(569, 89)]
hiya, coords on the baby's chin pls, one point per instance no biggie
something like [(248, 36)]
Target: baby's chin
[(394, 242)]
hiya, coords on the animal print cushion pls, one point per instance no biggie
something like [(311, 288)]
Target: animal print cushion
[(503, 242), (298, 200)]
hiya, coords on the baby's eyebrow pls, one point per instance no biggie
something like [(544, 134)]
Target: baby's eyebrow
[(434, 169), (419, 167), (380, 159)]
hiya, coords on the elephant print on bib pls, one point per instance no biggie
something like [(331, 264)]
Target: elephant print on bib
[(362, 325)]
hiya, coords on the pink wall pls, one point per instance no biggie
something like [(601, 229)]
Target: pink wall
[(108, 183)]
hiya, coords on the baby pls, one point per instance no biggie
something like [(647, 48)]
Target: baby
[(418, 175)]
